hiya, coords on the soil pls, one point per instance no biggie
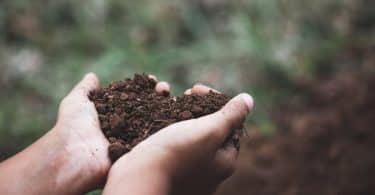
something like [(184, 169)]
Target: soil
[(130, 111), (325, 143)]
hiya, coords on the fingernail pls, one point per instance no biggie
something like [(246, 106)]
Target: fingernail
[(153, 77), (248, 100), (198, 84), (164, 85), (187, 92)]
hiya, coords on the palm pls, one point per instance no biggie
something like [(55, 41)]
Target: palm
[(78, 122), (79, 125)]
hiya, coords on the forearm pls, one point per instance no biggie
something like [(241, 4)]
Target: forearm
[(46, 167)]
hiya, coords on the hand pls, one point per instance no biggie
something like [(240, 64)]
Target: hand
[(189, 157), (78, 123), (71, 158)]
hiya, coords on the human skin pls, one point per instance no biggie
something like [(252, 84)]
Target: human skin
[(189, 157), (69, 159)]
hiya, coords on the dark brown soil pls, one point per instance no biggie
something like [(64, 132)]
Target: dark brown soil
[(325, 143), (130, 111)]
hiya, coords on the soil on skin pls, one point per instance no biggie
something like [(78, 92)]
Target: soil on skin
[(325, 143), (130, 111)]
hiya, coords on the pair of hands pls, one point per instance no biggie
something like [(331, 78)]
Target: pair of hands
[(189, 157)]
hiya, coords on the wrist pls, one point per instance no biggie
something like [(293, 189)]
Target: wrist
[(45, 167), (137, 175), (78, 165), (61, 164)]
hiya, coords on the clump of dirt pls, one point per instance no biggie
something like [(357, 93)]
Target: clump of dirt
[(130, 110), (325, 144)]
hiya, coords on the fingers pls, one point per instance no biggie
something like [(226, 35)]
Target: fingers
[(161, 87), (153, 77), (200, 89), (89, 82), (187, 92), (218, 126)]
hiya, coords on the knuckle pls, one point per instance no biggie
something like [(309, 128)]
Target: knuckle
[(228, 118), (209, 125), (216, 134)]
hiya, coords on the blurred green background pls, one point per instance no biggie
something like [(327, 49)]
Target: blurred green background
[(254, 46)]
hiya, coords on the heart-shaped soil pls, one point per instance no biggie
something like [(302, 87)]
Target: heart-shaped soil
[(130, 111)]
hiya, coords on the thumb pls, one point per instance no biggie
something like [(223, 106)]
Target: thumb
[(215, 128), (88, 83)]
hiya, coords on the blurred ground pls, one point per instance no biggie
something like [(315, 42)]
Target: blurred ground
[(266, 48), (324, 146)]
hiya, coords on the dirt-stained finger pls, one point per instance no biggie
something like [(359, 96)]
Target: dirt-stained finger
[(162, 87), (219, 125), (187, 92), (153, 77), (202, 89)]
